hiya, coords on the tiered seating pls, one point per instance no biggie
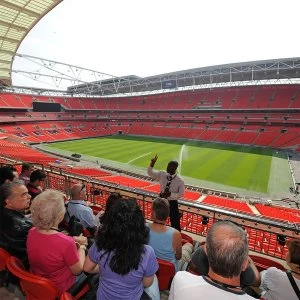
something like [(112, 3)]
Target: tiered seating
[(282, 97), (260, 98), (285, 139), (278, 213), (217, 125), (127, 181), (12, 101), (24, 153), (87, 103), (268, 136), (245, 137), (226, 136), (95, 173), (75, 103), (231, 204)]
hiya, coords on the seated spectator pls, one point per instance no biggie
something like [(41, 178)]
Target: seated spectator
[(227, 253), (199, 264), (6, 174), (275, 284), (120, 255), (51, 253), (166, 241), (77, 207), (14, 226), (26, 171), (34, 185)]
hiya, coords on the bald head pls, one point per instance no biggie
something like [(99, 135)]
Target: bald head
[(227, 249), (78, 191)]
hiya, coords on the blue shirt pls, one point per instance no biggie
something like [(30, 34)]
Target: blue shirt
[(80, 210)]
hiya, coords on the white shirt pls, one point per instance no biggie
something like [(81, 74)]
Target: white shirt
[(176, 186), (187, 286), (275, 285)]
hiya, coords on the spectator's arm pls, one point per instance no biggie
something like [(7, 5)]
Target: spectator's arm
[(77, 268), (90, 267), (153, 174), (257, 280), (177, 244), (147, 281)]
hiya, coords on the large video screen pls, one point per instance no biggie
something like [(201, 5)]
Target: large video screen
[(46, 107), (169, 84)]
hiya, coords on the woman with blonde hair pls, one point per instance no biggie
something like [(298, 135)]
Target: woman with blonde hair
[(51, 253)]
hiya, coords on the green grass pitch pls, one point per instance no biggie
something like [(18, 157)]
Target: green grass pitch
[(237, 166)]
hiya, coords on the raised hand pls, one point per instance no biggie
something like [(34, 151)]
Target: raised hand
[(153, 160)]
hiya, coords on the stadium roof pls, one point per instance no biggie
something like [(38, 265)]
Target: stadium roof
[(274, 71), (17, 18)]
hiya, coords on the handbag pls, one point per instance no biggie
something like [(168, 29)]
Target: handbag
[(75, 228), (293, 283)]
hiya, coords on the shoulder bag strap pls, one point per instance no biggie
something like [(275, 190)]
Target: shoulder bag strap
[(67, 210), (293, 283)]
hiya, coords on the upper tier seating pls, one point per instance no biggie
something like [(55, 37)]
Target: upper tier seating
[(253, 97)]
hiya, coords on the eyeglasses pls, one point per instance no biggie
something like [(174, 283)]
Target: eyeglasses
[(83, 187)]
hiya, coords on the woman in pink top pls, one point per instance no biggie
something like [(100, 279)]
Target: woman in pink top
[(52, 254)]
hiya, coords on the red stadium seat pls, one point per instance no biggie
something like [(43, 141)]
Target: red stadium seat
[(186, 238), (165, 274), (4, 255), (36, 287), (66, 296)]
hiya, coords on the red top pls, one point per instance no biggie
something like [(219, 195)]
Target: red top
[(51, 255)]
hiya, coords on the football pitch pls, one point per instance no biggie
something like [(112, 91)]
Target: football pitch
[(249, 168)]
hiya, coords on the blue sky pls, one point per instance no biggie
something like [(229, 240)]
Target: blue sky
[(144, 38)]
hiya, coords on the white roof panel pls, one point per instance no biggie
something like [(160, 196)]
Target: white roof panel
[(17, 18)]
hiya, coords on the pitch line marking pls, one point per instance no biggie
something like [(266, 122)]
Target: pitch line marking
[(138, 157)]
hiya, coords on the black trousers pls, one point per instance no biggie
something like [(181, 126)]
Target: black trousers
[(174, 214)]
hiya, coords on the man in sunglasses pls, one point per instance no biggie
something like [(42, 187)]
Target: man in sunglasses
[(171, 188), (77, 207)]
